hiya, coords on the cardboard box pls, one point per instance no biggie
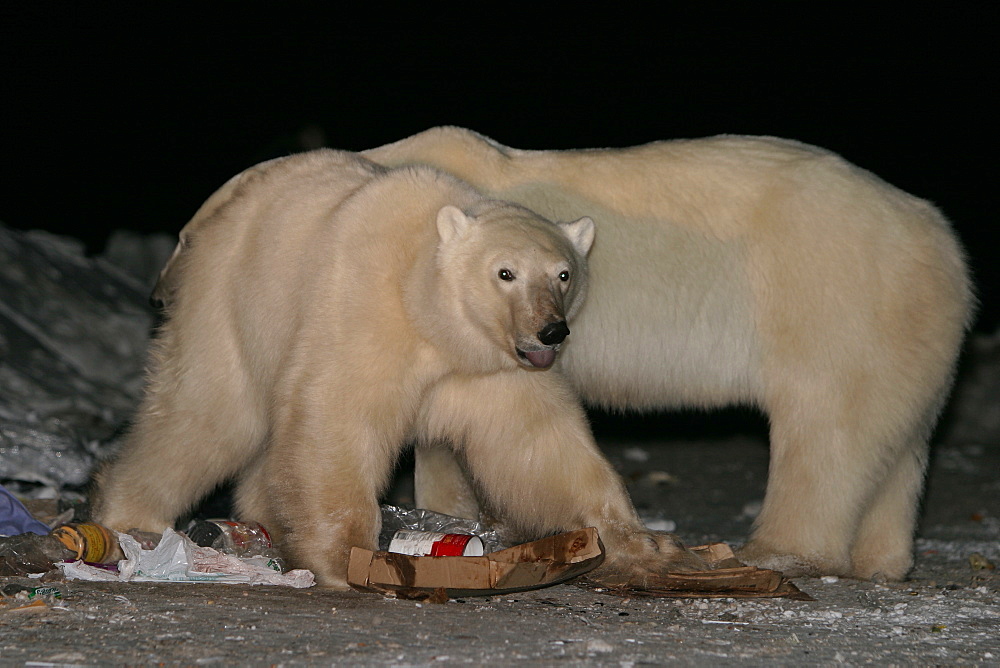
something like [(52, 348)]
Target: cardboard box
[(529, 566), (553, 560), (728, 578)]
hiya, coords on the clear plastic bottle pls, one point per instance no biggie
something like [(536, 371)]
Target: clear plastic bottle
[(241, 539)]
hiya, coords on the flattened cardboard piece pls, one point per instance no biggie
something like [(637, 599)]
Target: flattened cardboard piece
[(529, 566), (554, 560), (729, 578)]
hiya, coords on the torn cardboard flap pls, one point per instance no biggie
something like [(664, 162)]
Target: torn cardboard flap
[(529, 566), (553, 560), (728, 578)]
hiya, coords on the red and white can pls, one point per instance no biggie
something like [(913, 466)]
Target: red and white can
[(431, 544)]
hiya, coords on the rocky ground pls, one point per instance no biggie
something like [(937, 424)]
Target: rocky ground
[(948, 613), (73, 331)]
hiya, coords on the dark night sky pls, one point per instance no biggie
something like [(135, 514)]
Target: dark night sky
[(126, 119)]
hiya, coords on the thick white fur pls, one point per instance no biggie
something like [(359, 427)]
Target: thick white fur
[(325, 311), (743, 270)]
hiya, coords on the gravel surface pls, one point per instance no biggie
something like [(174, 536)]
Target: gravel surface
[(948, 613)]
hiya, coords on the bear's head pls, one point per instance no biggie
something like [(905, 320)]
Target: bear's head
[(517, 279)]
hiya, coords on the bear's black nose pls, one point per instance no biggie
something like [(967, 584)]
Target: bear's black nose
[(553, 333)]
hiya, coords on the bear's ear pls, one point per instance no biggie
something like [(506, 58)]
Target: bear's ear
[(452, 222), (580, 233)]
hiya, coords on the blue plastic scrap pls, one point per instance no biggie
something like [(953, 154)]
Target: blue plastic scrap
[(15, 518)]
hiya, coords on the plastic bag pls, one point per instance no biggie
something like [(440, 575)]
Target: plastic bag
[(15, 518), (395, 518)]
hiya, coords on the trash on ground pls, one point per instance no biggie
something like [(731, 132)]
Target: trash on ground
[(240, 539), (20, 599), (980, 563), (15, 518), (90, 542), (529, 566), (28, 553), (728, 578), (26, 608), (89, 551), (178, 559), (434, 544), (396, 519)]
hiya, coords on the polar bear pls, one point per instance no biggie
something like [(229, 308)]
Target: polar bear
[(326, 311), (758, 271)]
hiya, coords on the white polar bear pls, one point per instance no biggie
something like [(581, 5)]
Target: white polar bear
[(760, 271), (326, 311)]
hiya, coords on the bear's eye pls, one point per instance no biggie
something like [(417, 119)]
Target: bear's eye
[(564, 276), (505, 275)]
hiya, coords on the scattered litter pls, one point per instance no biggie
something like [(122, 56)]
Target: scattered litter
[(396, 519), (240, 539), (433, 544), (553, 560), (20, 599), (36, 592), (980, 563), (89, 551), (29, 553), (529, 566), (28, 593), (33, 607), (15, 518), (90, 542), (178, 559), (830, 579), (728, 578)]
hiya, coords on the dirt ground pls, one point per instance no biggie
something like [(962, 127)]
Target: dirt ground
[(948, 613)]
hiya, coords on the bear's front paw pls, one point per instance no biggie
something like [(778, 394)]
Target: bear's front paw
[(639, 556)]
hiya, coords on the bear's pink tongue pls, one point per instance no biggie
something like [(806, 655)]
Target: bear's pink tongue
[(541, 358)]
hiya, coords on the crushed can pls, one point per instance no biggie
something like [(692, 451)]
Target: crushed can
[(433, 544)]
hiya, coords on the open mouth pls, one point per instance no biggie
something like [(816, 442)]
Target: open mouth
[(540, 359)]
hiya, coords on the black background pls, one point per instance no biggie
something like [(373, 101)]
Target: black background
[(118, 118)]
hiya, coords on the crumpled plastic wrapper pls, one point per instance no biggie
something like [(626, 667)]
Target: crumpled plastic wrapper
[(177, 559), (15, 518), (395, 518)]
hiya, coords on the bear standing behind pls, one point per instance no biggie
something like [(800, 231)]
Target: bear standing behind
[(326, 312), (755, 271)]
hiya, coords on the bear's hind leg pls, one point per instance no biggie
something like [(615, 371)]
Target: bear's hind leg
[(883, 547), (834, 452), (811, 506), (163, 470), (190, 435)]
